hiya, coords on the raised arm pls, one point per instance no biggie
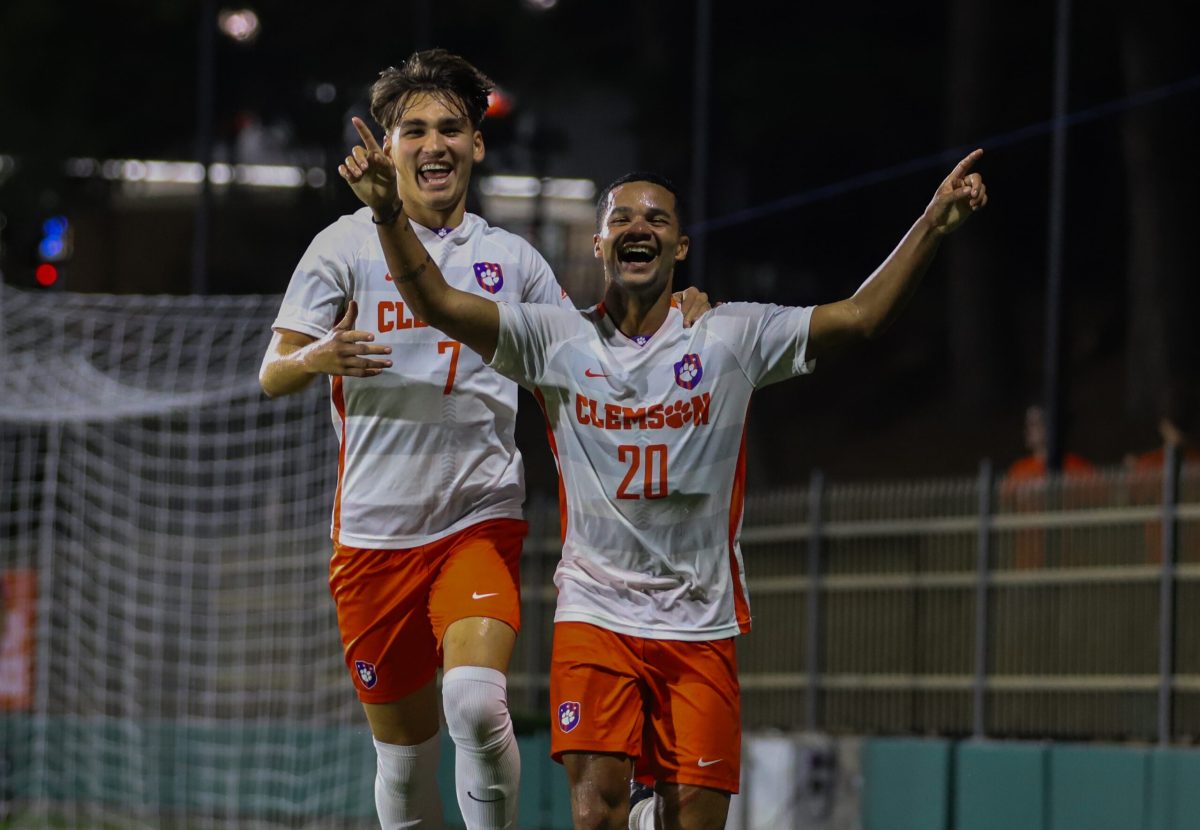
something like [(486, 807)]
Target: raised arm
[(460, 314), (879, 300)]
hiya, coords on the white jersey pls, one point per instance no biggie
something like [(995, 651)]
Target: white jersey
[(649, 441), (427, 446)]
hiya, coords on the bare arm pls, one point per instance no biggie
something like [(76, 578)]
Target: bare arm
[(880, 300), (293, 359), (465, 317)]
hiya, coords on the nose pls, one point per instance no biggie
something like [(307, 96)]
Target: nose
[(434, 143), (639, 226)]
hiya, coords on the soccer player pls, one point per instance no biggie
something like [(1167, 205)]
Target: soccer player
[(427, 523), (647, 425)]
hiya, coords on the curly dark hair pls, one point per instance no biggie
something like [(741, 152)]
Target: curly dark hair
[(450, 78)]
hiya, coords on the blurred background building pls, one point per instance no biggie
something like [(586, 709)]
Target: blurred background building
[(807, 138)]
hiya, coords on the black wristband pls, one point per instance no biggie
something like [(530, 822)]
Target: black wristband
[(390, 218)]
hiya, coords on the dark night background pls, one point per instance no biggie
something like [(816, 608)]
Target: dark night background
[(802, 97)]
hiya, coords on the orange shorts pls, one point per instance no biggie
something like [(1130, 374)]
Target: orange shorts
[(673, 706), (393, 606)]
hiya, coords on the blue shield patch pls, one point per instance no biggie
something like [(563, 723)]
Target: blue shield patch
[(689, 371), (568, 715), (366, 673), (489, 275)]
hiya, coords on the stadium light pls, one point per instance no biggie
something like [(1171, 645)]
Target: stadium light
[(239, 25)]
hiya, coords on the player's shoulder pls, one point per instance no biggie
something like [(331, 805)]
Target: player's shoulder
[(505, 240), (736, 314), (557, 321), (348, 232), (741, 312), (580, 318)]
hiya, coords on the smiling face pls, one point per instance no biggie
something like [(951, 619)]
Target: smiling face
[(434, 146), (640, 239)]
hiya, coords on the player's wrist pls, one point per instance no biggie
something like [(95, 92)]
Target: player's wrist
[(309, 359), (387, 214), (928, 226)]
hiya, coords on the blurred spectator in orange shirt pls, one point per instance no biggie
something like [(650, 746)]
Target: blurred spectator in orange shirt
[(1033, 466), (1147, 476), (1153, 460), (1022, 488)]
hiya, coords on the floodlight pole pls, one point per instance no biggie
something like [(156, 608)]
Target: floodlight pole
[(204, 144), (699, 183), (1052, 392)]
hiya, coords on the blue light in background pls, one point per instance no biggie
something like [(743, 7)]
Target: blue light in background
[(55, 243)]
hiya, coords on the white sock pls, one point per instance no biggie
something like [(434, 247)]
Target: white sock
[(487, 766), (406, 790), (641, 817)]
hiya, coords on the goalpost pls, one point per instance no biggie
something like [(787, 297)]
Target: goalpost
[(170, 651)]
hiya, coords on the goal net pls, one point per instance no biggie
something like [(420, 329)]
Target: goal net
[(170, 652)]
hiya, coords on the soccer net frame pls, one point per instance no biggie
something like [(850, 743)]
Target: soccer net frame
[(171, 655)]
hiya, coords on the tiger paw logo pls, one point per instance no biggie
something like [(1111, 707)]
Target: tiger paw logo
[(689, 371), (366, 673), (678, 413), (489, 275), (568, 715)]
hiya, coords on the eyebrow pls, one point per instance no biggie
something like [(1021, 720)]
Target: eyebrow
[(448, 121)]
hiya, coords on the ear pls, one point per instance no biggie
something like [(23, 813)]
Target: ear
[(681, 250), (478, 148), (387, 143), (596, 246)]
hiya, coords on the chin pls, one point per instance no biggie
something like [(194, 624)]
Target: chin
[(444, 201)]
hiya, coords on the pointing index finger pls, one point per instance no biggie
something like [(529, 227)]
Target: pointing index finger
[(365, 133), (963, 166)]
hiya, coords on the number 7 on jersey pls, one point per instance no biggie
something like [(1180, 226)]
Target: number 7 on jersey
[(452, 346)]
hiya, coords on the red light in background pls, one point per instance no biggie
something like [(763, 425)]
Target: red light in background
[(46, 275), (500, 104)]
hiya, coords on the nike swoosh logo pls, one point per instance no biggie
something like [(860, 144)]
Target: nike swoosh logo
[(703, 763), (471, 796), (589, 373), (483, 596)]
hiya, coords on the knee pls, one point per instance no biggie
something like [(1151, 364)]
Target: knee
[(591, 812), (475, 706)]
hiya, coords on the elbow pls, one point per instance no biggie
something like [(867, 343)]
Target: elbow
[(271, 382), (872, 329), (863, 326), (265, 383)]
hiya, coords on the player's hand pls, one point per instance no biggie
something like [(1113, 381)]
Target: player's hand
[(370, 173), (958, 196), (693, 303), (343, 350)]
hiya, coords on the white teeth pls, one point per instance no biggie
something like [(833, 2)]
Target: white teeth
[(638, 249), (434, 167)]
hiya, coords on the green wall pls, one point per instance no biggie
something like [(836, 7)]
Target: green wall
[(270, 772), (280, 772), (985, 785)]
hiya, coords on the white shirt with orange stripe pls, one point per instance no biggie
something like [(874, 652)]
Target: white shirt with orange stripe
[(650, 445), (427, 447)]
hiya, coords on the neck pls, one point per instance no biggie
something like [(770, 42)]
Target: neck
[(636, 313), (431, 218)]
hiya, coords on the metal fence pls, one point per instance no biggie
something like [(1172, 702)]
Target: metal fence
[(1062, 608)]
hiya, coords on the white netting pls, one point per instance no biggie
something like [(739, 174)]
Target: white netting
[(172, 524)]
